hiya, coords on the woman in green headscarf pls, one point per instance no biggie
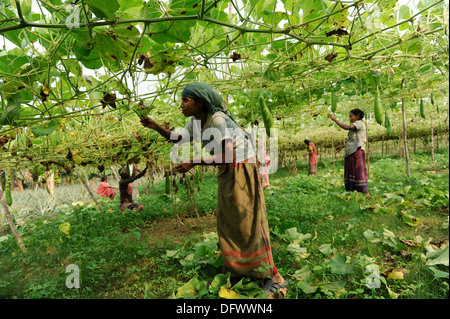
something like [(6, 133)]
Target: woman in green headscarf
[(242, 224)]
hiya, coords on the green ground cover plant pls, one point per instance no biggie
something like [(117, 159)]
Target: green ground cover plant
[(328, 243)]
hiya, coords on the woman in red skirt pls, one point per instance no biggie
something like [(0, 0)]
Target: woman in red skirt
[(312, 153), (355, 172)]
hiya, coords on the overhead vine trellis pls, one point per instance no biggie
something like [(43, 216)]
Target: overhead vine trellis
[(73, 73)]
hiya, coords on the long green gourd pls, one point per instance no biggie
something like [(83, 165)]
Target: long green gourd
[(378, 110), (266, 115)]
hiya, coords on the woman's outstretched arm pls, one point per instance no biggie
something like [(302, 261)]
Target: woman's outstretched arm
[(167, 134), (342, 125)]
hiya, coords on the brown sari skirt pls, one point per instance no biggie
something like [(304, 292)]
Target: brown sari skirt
[(242, 224)]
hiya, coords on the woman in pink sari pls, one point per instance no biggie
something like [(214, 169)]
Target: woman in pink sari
[(264, 170), (105, 190), (312, 153)]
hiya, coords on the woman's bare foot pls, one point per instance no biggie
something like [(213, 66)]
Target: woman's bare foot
[(279, 284), (278, 279)]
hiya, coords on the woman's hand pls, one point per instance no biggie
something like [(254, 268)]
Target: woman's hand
[(331, 116), (148, 122), (339, 148), (184, 167)]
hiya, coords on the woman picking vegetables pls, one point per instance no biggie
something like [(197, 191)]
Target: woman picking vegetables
[(242, 224), (126, 188), (355, 172), (106, 190)]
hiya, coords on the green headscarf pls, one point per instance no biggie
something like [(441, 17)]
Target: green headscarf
[(211, 99)]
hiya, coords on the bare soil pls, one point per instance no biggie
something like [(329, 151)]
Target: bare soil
[(178, 229)]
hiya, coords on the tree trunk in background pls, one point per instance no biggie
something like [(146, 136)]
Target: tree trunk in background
[(50, 183)]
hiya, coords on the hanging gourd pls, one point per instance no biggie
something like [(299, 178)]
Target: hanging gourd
[(378, 110), (387, 124), (333, 102), (266, 115), (8, 192), (422, 108)]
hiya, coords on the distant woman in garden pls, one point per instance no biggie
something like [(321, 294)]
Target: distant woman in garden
[(242, 224), (312, 154), (355, 172), (105, 190), (126, 189), (263, 166)]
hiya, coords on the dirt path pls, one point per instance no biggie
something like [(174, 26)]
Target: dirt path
[(171, 227)]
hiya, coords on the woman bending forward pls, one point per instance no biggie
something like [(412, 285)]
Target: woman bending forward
[(242, 225)]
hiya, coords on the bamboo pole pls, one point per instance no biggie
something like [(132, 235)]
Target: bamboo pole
[(115, 174), (333, 153), (437, 140), (405, 138), (11, 221)]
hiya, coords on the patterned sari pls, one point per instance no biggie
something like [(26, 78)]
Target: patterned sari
[(355, 172), (242, 222)]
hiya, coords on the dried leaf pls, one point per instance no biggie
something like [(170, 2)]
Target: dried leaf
[(397, 274), (331, 56), (44, 93), (339, 32), (227, 293), (108, 99), (235, 56)]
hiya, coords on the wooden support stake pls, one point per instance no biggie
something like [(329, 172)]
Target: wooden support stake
[(432, 140), (11, 221), (88, 189), (115, 174), (333, 153), (405, 138)]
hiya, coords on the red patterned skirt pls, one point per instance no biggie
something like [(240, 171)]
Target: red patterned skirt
[(355, 172)]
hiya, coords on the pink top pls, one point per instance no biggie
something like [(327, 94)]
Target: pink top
[(312, 155), (104, 190)]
